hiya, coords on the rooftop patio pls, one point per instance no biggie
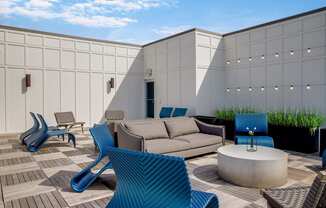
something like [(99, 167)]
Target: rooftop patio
[(42, 179)]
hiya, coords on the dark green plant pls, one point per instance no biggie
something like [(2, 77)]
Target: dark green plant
[(301, 118)]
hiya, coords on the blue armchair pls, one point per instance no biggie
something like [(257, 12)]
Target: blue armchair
[(250, 121), (103, 139), (166, 112), (146, 180), (179, 112)]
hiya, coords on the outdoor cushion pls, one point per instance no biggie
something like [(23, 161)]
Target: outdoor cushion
[(151, 129), (166, 145), (200, 139), (181, 126)]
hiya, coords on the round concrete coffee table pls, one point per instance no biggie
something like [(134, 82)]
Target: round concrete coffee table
[(265, 168)]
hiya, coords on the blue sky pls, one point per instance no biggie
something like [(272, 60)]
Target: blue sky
[(142, 21)]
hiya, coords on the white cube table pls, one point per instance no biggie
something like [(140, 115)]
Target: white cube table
[(265, 168)]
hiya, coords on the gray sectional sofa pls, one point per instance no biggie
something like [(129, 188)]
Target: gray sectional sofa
[(182, 136)]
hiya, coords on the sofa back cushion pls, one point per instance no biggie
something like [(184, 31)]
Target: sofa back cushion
[(151, 129), (181, 126)]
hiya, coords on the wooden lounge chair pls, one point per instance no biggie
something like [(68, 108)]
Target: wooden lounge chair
[(313, 196), (67, 120)]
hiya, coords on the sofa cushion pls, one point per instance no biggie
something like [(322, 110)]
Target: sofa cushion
[(181, 126), (166, 145), (200, 140), (148, 129)]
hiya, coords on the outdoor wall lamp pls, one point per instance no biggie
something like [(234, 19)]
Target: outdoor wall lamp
[(110, 85), (308, 50), (238, 89), (262, 56), (28, 80), (227, 89), (250, 89), (308, 87), (250, 58), (277, 55), (228, 62), (276, 87), (238, 60), (292, 52), (291, 87), (262, 88)]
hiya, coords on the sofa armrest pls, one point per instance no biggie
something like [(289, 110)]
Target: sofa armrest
[(128, 140), (211, 129)]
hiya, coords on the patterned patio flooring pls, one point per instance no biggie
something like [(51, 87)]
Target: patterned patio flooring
[(42, 179)]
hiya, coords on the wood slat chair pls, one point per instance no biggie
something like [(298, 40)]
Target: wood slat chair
[(313, 196), (67, 120)]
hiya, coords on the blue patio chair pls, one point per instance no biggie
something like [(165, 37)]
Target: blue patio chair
[(178, 112), (32, 130), (324, 159), (103, 140), (35, 140), (147, 180), (251, 121), (166, 112)]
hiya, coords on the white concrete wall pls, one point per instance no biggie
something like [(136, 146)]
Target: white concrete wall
[(173, 63), (67, 75), (283, 70), (210, 72)]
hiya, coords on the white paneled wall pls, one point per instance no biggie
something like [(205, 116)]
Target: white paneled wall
[(68, 74), (210, 72), (274, 57), (173, 64)]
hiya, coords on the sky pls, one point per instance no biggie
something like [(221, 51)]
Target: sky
[(143, 21)]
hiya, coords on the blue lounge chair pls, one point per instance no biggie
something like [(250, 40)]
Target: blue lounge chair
[(146, 180), (32, 130), (179, 112), (251, 121), (36, 139), (324, 159), (103, 140), (166, 112)]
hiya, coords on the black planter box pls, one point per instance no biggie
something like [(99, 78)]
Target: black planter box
[(229, 128), (294, 139)]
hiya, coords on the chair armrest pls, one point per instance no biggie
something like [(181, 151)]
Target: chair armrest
[(128, 140), (211, 129)]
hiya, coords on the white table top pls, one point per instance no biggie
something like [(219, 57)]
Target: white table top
[(262, 153)]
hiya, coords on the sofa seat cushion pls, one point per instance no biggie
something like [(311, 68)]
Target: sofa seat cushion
[(200, 140), (166, 145), (181, 126), (148, 129)]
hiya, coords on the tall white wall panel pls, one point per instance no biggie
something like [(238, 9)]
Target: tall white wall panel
[(34, 95), (15, 99), (68, 74)]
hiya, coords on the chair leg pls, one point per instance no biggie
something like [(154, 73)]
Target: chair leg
[(82, 127)]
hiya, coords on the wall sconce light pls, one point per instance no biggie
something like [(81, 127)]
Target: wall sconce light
[(308, 87), (228, 62), (238, 61), (250, 89), (110, 85), (292, 87), (227, 89), (292, 52), (28, 80), (262, 88), (250, 58), (238, 89), (277, 55), (276, 87), (308, 50), (262, 57)]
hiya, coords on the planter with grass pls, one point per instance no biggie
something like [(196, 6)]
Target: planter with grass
[(296, 131)]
